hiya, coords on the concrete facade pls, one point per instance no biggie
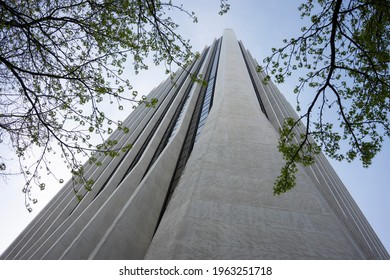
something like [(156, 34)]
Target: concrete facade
[(223, 205)]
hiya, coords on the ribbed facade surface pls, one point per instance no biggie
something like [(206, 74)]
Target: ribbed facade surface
[(197, 183)]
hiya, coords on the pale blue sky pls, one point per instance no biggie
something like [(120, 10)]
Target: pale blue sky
[(260, 25)]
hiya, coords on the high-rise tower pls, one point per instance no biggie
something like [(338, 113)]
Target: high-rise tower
[(197, 183)]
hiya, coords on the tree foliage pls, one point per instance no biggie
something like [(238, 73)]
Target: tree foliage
[(60, 60), (344, 55)]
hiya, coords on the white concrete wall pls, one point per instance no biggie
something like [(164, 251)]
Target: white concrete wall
[(224, 207)]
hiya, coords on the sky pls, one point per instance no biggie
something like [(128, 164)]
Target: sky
[(260, 25)]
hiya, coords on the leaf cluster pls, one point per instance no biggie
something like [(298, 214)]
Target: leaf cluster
[(61, 60), (345, 56)]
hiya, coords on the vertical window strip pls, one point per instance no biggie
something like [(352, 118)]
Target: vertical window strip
[(209, 93), (196, 125), (157, 124), (176, 119), (252, 80), (205, 95)]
